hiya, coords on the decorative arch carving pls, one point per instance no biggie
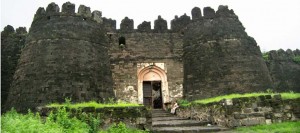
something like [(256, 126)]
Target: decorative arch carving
[(158, 75)]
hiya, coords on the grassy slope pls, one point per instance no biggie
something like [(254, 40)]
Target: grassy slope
[(94, 104), (286, 127), (285, 95)]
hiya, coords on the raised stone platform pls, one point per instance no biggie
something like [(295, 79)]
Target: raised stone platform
[(164, 122)]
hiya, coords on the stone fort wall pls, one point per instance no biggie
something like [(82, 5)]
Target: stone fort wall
[(65, 55), (83, 56), (284, 69)]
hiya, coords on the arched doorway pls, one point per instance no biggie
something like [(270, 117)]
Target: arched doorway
[(153, 87)]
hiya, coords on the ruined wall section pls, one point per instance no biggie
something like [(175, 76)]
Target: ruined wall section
[(284, 69), (65, 55), (12, 43), (140, 47), (220, 58)]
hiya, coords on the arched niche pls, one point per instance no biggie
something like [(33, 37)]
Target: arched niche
[(153, 73)]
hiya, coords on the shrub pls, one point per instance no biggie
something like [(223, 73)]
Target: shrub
[(296, 59), (121, 128), (285, 127), (13, 122), (183, 102), (70, 125), (265, 56)]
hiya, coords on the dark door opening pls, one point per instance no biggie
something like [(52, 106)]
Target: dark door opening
[(152, 94)]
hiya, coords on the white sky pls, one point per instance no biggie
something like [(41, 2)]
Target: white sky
[(274, 24)]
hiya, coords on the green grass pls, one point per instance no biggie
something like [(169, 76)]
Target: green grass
[(284, 95), (286, 127), (13, 122), (58, 122), (296, 59), (121, 128), (94, 104), (265, 56)]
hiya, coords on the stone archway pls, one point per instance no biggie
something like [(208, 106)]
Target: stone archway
[(153, 73)]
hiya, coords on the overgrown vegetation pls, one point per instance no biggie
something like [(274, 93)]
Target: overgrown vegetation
[(296, 59), (286, 127), (183, 102), (61, 121), (13, 122), (94, 104), (284, 95), (121, 128), (265, 56)]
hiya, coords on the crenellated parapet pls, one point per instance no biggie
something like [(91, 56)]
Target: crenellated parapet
[(160, 25), (284, 67), (180, 23), (12, 43), (223, 11), (196, 13), (68, 9), (65, 56), (109, 24), (83, 25), (126, 25), (144, 27), (281, 55), (216, 50), (209, 13)]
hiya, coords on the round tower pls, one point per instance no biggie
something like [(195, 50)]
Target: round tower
[(65, 56), (220, 58)]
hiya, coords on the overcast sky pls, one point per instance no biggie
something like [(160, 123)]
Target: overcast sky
[(274, 24)]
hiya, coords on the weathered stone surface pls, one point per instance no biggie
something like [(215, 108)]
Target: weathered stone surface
[(12, 42), (179, 24), (126, 25), (144, 27), (289, 110), (84, 11), (196, 13), (52, 8), (220, 58), (253, 121), (160, 25), (97, 16), (68, 8), (285, 72), (209, 13), (109, 24), (63, 57), (67, 55), (39, 13), (163, 50)]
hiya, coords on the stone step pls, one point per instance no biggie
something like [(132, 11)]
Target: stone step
[(184, 129), (176, 123), (157, 110), (171, 118), (161, 115), (160, 112)]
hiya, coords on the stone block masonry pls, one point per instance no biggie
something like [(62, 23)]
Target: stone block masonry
[(81, 55), (65, 55), (244, 111), (284, 69), (12, 43), (220, 58)]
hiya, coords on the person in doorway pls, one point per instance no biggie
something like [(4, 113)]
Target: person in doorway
[(174, 107)]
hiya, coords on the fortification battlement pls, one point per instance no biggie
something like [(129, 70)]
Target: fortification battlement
[(283, 55), (83, 25), (178, 23), (127, 24), (11, 30), (68, 9)]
